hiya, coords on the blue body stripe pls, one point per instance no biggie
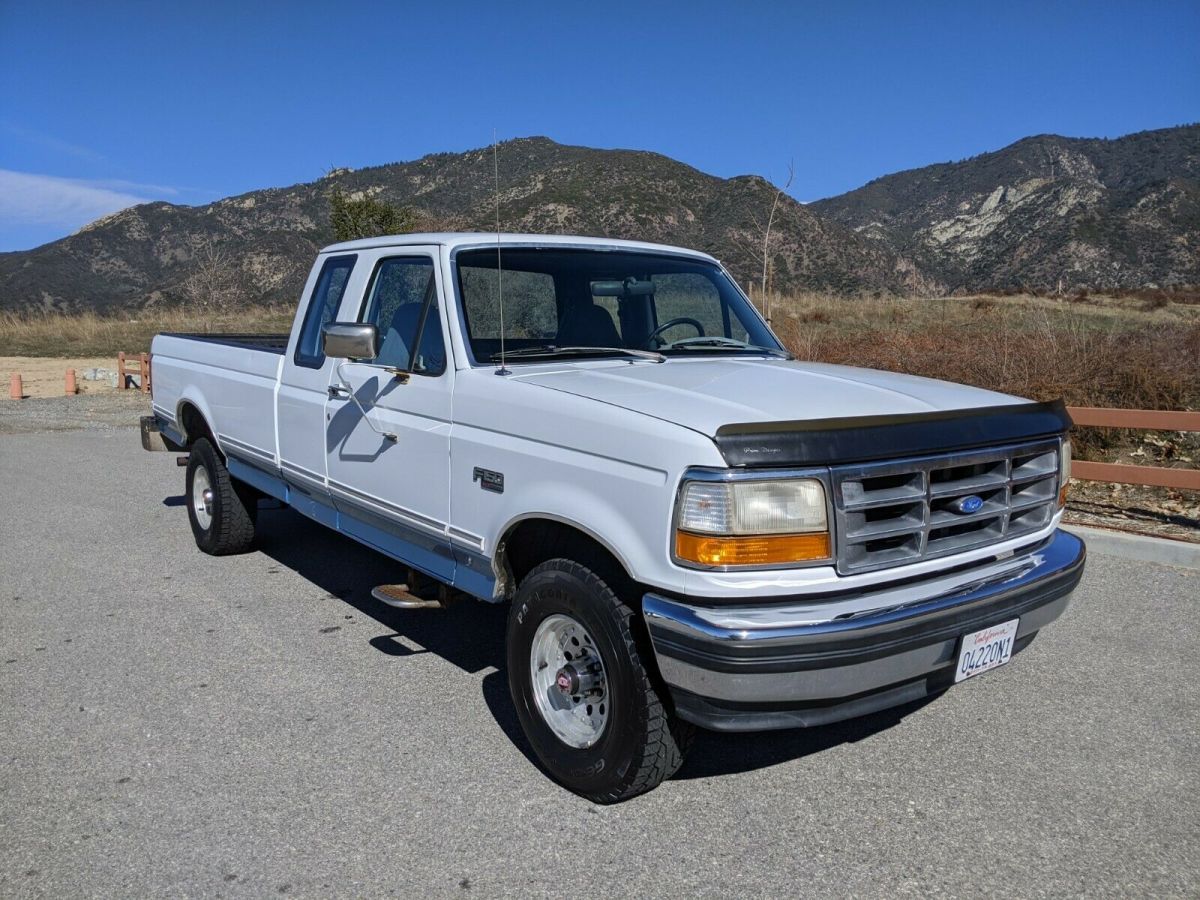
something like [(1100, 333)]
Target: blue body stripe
[(469, 572), (257, 478)]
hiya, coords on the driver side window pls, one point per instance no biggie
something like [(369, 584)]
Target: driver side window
[(402, 304)]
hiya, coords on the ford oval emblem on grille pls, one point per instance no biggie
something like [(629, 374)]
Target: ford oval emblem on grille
[(966, 505)]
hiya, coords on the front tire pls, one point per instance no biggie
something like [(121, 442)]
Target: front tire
[(221, 511), (582, 690)]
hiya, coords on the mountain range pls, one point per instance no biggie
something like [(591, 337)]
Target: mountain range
[(1044, 213), (1047, 212)]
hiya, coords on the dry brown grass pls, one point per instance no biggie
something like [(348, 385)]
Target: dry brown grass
[(1130, 351), (1109, 356), (90, 334), (1116, 352)]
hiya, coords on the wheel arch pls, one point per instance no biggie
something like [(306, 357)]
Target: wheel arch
[(533, 538), (194, 422)]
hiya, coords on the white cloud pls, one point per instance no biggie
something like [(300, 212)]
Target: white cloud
[(71, 203), (50, 142), (119, 184)]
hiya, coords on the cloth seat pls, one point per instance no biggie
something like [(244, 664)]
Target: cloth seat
[(588, 326), (396, 347)]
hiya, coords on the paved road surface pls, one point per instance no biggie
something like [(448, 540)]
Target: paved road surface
[(173, 724)]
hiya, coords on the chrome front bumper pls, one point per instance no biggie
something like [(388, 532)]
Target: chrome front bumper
[(787, 664)]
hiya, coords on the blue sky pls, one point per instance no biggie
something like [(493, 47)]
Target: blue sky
[(107, 104)]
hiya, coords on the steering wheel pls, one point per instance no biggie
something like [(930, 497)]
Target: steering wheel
[(652, 338)]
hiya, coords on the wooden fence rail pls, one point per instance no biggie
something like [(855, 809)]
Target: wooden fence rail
[(128, 364), (1155, 476)]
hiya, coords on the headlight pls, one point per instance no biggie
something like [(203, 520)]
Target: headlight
[(1064, 472), (752, 523)]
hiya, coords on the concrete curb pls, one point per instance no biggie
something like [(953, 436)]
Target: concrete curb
[(1140, 547)]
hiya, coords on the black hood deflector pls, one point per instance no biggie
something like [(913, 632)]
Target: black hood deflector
[(869, 438)]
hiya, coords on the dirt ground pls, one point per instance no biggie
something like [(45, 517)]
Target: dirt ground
[(1160, 512), (46, 377)]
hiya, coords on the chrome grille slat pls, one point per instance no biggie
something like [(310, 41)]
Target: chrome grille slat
[(944, 518), (884, 498), (900, 511), (968, 486), (1027, 477), (875, 532)]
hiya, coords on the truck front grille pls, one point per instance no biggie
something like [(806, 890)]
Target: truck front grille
[(900, 511)]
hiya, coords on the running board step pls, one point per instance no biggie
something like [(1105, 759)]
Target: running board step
[(398, 596)]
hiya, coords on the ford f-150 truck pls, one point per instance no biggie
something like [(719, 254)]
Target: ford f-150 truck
[(692, 527)]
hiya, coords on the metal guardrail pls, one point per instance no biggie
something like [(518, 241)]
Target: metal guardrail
[(1152, 476)]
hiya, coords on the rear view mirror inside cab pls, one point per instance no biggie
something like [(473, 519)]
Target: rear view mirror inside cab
[(630, 287)]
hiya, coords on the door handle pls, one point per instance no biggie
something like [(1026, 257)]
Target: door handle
[(339, 392)]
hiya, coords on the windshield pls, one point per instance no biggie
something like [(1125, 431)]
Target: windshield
[(556, 299)]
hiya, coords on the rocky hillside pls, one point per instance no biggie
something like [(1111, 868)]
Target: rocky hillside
[(265, 240), (1045, 212)]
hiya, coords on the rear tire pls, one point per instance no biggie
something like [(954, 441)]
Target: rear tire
[(222, 511), (629, 739)]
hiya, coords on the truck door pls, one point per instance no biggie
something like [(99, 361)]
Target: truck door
[(304, 386), (395, 494)]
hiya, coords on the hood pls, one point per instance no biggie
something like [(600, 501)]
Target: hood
[(705, 394)]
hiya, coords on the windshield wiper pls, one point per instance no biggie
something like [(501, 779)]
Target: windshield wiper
[(723, 343), (552, 351)]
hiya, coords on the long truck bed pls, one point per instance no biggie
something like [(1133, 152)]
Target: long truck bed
[(275, 343), (231, 379)]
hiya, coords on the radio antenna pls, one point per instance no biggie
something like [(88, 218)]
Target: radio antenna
[(503, 370)]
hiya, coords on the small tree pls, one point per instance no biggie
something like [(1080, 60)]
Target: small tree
[(366, 217), (762, 254), (766, 252), (211, 286)]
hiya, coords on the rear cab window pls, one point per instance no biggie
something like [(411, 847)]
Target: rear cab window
[(322, 308)]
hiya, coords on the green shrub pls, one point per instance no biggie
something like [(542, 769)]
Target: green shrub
[(367, 217)]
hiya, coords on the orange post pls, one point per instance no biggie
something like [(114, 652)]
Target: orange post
[(72, 388), (16, 390), (121, 371)]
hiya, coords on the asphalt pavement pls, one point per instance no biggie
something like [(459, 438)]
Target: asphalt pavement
[(174, 724)]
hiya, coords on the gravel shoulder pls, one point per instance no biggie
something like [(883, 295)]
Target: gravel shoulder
[(99, 411)]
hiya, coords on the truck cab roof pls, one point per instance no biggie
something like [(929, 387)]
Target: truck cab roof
[(456, 239)]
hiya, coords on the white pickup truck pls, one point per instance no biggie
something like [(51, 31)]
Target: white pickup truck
[(692, 527)]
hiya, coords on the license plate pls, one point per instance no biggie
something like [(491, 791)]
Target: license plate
[(986, 649)]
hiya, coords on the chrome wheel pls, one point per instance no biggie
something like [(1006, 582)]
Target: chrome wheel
[(202, 497), (570, 688)]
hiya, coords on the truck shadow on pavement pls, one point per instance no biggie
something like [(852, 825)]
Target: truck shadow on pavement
[(716, 753), (470, 636)]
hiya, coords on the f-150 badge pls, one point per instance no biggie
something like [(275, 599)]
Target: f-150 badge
[(489, 480)]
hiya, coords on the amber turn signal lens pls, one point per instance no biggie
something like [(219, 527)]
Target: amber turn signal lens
[(1062, 496), (751, 550)]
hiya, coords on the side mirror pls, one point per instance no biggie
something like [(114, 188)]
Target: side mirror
[(350, 340)]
